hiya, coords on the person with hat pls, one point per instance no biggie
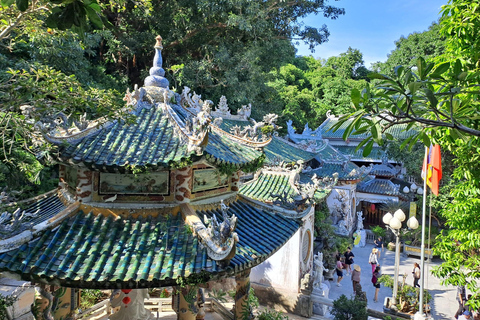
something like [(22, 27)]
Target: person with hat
[(465, 315), (355, 276)]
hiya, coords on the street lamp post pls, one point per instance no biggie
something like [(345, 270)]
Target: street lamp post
[(394, 223)]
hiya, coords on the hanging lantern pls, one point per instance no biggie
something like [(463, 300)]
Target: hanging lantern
[(372, 206)]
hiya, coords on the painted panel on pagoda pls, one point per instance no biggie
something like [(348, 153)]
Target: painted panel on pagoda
[(71, 176), (133, 184), (208, 179)]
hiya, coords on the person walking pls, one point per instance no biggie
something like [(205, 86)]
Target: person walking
[(373, 260), (355, 276), (461, 299), (376, 284), (379, 245), (416, 275), (339, 268), (348, 259)]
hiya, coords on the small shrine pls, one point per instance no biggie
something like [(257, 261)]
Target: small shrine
[(156, 202)]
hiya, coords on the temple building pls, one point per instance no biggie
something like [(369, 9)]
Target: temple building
[(156, 201)]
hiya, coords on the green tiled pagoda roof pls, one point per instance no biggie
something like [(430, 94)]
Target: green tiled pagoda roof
[(228, 124), (397, 131), (103, 252), (224, 149), (151, 140), (281, 149), (375, 155), (348, 172), (262, 188), (379, 186), (330, 154)]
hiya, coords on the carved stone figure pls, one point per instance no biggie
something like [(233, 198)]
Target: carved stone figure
[(245, 111), (318, 270), (306, 284), (342, 228), (360, 219), (223, 106)]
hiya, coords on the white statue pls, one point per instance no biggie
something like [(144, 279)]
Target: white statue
[(360, 219), (318, 270)]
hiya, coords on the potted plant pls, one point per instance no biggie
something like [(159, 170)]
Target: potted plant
[(407, 297)]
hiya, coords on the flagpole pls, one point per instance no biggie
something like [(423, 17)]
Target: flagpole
[(420, 314)]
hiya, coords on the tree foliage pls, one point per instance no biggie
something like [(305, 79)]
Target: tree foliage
[(427, 44), (441, 98)]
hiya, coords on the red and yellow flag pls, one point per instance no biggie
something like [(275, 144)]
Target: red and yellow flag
[(432, 166)]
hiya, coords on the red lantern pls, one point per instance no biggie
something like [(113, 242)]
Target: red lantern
[(126, 300), (373, 206), (126, 291)]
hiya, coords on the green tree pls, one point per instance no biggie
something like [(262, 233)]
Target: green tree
[(427, 44), (442, 101)]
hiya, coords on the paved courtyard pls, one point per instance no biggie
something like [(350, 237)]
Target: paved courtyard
[(443, 305)]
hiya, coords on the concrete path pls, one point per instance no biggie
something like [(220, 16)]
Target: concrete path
[(443, 305)]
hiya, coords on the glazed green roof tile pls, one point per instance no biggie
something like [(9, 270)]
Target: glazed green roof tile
[(346, 171), (151, 140), (262, 188), (379, 186), (39, 211), (375, 155), (397, 131), (224, 149), (102, 252), (228, 124), (331, 154), (280, 149)]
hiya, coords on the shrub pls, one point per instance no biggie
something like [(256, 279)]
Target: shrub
[(378, 231), (5, 302), (271, 315), (89, 297), (349, 309)]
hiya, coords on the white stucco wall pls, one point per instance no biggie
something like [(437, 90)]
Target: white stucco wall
[(285, 268), (281, 270)]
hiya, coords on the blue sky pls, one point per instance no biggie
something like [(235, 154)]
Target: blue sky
[(372, 26)]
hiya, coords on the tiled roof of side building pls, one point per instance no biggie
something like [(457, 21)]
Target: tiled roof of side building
[(398, 131), (281, 149), (267, 184), (346, 171), (375, 155), (379, 186), (95, 251)]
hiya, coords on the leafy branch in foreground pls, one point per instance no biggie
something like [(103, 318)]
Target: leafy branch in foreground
[(444, 96)]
